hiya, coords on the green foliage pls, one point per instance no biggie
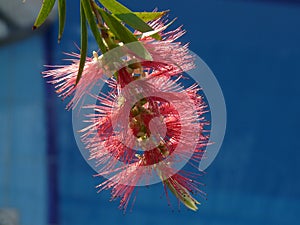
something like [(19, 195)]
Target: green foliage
[(106, 37), (114, 6), (123, 34), (149, 16), (83, 44), (127, 16), (45, 10), (62, 17), (86, 4)]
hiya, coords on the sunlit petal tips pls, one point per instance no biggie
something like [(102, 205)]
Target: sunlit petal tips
[(64, 78)]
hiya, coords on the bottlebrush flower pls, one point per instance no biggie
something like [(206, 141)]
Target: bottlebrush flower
[(117, 153), (148, 125)]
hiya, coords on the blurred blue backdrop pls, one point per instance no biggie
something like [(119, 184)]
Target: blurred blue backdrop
[(253, 47)]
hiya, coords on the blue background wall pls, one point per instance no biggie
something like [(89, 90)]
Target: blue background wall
[(253, 47)]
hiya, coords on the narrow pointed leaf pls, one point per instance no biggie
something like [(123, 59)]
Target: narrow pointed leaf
[(127, 16), (114, 7), (84, 43), (62, 17), (123, 34), (120, 31), (93, 25), (136, 23), (45, 10), (149, 16)]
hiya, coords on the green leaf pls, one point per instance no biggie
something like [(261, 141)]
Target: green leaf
[(46, 8), (84, 43), (127, 16), (93, 25), (123, 34), (149, 16), (62, 17), (120, 31), (136, 23), (114, 7)]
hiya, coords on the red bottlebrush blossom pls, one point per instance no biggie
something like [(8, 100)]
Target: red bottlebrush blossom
[(179, 109), (149, 125)]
